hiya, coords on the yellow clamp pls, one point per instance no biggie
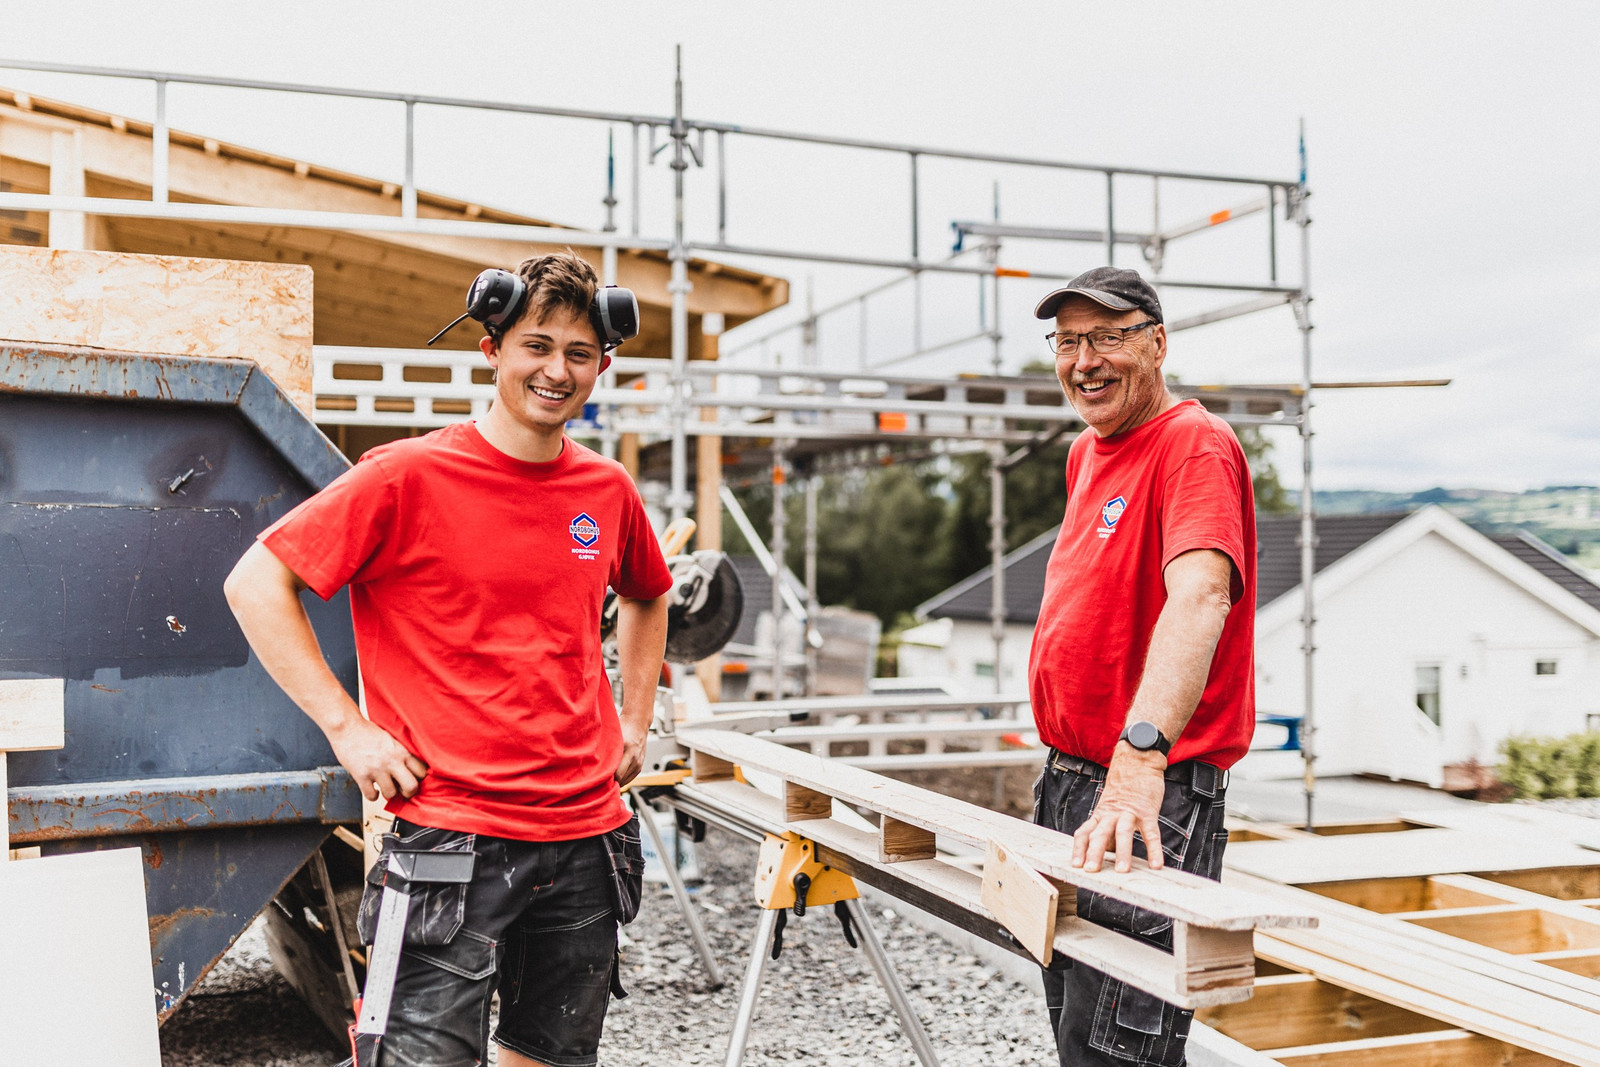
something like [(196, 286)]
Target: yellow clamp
[(784, 857)]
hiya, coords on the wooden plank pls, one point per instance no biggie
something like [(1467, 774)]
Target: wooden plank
[(1512, 928), (1516, 820), (1390, 895), (1182, 896), (899, 842), (32, 714), (1471, 973), (1429, 1001), (1024, 901), (934, 761), (76, 977), (854, 851), (1579, 961), (1299, 1009), (1576, 883), (1450, 1048), (708, 768), (901, 731), (1412, 853), (1211, 959), (800, 803), (166, 305)]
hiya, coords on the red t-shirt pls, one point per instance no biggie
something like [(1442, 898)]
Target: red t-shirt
[(476, 582), (1135, 501)]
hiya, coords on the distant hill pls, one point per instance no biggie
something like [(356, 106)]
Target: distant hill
[(1566, 516)]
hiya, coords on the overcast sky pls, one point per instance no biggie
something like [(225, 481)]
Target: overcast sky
[(1452, 161)]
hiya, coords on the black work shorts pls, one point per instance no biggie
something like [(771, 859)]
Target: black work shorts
[(1098, 1020), (537, 924)]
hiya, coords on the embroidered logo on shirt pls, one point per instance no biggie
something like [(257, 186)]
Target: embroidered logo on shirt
[(1110, 512)]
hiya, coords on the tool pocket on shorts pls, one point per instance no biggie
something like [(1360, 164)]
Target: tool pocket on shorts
[(437, 909), (1139, 1027), (467, 954), (626, 854)]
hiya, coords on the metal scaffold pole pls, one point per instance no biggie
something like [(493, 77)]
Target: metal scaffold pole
[(997, 558), (678, 499), (1308, 526), (813, 486), (780, 544)]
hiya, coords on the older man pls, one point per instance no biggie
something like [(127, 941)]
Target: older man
[(1141, 672)]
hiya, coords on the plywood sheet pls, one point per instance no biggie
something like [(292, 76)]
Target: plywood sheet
[(32, 714), (76, 983), (163, 305), (1409, 853), (1518, 820)]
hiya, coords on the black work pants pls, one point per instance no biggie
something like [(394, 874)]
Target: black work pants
[(1096, 1019)]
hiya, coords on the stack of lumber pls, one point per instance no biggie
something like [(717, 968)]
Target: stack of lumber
[(1027, 889), (1413, 961)]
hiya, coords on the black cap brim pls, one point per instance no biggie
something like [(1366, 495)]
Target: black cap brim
[(1046, 308)]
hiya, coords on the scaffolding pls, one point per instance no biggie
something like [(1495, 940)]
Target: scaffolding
[(791, 407)]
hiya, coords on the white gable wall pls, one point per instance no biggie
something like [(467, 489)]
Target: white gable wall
[(1430, 602), (967, 658)]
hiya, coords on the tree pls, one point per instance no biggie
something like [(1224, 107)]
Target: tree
[(882, 539)]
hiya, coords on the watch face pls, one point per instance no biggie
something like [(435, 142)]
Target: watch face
[(1143, 735)]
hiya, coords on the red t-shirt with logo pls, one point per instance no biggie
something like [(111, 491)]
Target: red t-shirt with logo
[(476, 582), (1135, 501)]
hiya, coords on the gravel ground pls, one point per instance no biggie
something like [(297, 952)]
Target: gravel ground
[(820, 1001)]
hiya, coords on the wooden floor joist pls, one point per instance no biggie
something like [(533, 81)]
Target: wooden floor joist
[(1299, 1009), (1445, 1048), (1468, 967)]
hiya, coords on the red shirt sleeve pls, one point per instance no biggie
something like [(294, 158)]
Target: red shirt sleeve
[(641, 571), (1202, 507), (334, 538)]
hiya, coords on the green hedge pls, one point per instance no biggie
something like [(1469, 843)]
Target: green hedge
[(1544, 767)]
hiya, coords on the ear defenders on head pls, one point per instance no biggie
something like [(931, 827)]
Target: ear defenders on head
[(497, 296)]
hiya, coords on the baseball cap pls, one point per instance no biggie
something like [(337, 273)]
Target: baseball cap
[(1113, 287)]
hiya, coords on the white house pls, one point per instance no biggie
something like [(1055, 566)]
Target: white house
[(1434, 641)]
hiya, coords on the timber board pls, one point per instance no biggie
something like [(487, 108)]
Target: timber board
[(1182, 896), (1411, 853), (944, 885)]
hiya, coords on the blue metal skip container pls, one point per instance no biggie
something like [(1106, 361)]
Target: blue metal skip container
[(129, 486)]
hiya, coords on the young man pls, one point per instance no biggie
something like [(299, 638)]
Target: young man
[(478, 558), (1141, 673)]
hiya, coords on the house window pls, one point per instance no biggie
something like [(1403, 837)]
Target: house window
[(1544, 668), (1428, 690), (983, 670)]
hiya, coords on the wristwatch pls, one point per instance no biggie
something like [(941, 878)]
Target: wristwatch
[(1144, 736)]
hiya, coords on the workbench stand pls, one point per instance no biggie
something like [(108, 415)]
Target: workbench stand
[(760, 952), (669, 863)]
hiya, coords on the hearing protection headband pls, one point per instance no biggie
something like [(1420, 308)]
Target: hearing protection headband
[(497, 297)]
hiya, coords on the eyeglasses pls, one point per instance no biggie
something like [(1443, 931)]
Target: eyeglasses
[(1104, 340)]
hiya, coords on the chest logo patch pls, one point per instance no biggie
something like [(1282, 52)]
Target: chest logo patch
[(1110, 513), (584, 530)]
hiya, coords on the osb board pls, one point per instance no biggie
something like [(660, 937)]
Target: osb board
[(75, 984), (1407, 853), (163, 305)]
